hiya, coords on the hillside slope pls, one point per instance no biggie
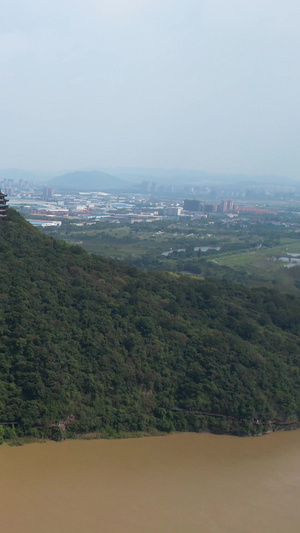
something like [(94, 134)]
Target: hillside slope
[(123, 350)]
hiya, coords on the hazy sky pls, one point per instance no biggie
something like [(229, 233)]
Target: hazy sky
[(208, 84)]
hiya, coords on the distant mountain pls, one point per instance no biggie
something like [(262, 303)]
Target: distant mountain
[(125, 177), (93, 180), (190, 176), (161, 175)]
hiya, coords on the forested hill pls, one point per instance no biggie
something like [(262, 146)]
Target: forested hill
[(111, 348)]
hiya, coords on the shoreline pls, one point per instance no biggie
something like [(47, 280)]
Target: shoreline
[(93, 436)]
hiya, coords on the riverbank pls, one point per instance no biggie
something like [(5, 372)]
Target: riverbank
[(90, 436)]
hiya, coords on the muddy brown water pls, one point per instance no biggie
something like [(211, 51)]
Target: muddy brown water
[(179, 483)]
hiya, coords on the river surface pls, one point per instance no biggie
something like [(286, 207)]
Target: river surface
[(179, 483)]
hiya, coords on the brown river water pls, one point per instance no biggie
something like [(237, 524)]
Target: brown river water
[(179, 483)]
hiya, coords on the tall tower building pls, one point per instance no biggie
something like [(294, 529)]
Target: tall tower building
[(3, 206), (48, 192)]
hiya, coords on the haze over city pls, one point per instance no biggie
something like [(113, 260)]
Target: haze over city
[(207, 85)]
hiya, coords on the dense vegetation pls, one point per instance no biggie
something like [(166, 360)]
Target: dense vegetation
[(111, 348)]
